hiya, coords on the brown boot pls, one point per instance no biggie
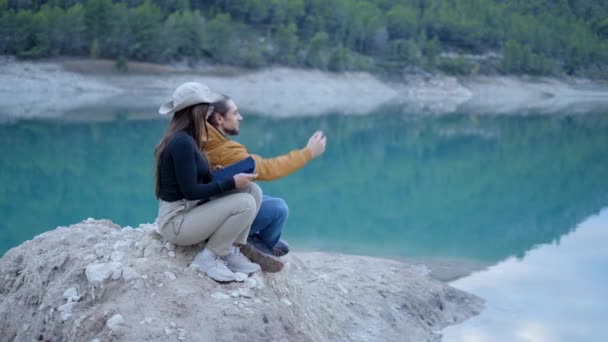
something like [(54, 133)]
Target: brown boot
[(268, 263)]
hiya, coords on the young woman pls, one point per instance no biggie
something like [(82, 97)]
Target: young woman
[(193, 206)]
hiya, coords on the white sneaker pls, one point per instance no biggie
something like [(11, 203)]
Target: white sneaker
[(213, 266), (237, 262)]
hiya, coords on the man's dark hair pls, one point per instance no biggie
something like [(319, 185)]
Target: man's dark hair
[(220, 107)]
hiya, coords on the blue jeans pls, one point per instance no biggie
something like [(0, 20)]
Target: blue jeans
[(268, 224)]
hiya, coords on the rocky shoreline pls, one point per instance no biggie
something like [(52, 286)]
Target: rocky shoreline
[(97, 281), (60, 88)]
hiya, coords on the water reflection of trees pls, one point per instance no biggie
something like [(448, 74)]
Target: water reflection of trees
[(57, 173), (456, 185), (479, 187)]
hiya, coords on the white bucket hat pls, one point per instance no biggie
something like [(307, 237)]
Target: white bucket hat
[(189, 94)]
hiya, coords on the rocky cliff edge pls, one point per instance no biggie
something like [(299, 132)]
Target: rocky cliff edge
[(96, 281)]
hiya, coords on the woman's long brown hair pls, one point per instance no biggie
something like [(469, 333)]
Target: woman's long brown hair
[(192, 121)]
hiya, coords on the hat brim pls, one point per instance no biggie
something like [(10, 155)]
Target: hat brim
[(166, 108), (170, 107)]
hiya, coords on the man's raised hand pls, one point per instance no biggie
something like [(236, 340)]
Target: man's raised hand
[(316, 144)]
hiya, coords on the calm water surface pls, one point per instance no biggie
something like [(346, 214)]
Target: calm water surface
[(521, 193), (557, 292)]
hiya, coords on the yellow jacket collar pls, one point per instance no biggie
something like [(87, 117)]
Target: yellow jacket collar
[(216, 138)]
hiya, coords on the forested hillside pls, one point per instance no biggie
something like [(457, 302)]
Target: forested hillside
[(540, 37)]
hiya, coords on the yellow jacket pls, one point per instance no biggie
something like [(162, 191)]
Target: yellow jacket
[(223, 151)]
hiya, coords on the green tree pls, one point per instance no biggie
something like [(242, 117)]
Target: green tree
[(259, 11), (366, 22), (121, 64), (145, 30), (286, 41), (94, 51), (405, 51), (602, 28), (455, 66), (73, 24), (183, 35), (238, 9), (339, 60), (431, 51), (338, 19), (97, 18), (119, 40), (286, 12), (316, 54), (402, 22), (220, 42)]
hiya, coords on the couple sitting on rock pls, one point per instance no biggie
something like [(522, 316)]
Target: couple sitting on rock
[(231, 213)]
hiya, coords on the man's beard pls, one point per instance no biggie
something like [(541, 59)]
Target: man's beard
[(234, 131)]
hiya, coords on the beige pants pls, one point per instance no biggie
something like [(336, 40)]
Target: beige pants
[(224, 220)]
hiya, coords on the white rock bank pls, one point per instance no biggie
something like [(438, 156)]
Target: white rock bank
[(96, 281)]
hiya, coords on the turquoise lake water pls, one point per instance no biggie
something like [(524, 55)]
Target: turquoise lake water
[(521, 193)]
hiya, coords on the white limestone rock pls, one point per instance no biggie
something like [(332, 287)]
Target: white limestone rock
[(114, 322), (65, 311), (99, 250), (117, 255), (126, 244), (153, 248), (377, 305), (244, 292), (129, 273), (98, 273), (69, 293), (219, 295), (251, 283), (89, 257)]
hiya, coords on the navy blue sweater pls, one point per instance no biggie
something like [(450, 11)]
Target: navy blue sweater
[(184, 173)]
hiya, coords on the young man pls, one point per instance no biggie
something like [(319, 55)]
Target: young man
[(264, 239)]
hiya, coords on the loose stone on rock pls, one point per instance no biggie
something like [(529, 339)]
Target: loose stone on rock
[(117, 255), (154, 247), (71, 292), (128, 273), (115, 322), (146, 320), (97, 273), (89, 257), (181, 334), (243, 292), (65, 311), (219, 295), (251, 283), (98, 248)]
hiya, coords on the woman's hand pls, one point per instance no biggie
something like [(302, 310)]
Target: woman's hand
[(216, 168), (242, 180), (316, 144)]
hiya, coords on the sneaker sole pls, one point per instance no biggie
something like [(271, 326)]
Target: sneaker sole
[(246, 271), (218, 279), (267, 262)]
